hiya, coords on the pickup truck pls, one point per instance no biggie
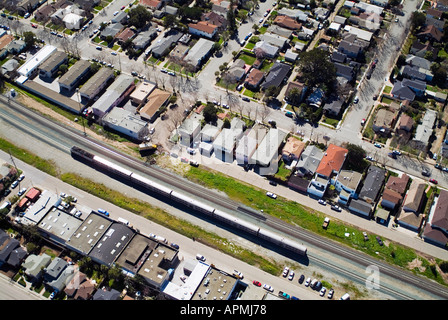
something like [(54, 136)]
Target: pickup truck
[(326, 223), (284, 295)]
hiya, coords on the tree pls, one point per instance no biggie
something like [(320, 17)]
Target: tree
[(418, 19), (232, 27), (139, 16), (355, 159), (316, 68), (294, 96), (169, 20), (29, 39), (210, 113)]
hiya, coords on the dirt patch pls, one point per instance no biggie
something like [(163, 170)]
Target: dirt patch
[(416, 263)]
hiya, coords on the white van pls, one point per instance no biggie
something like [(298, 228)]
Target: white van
[(345, 297), (123, 221), (200, 257)]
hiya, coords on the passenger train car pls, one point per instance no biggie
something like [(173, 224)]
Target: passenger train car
[(190, 202)]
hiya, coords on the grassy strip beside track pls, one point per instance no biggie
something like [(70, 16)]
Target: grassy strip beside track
[(307, 218)]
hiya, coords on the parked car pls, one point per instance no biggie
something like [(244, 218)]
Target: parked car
[(380, 242), (307, 282), (285, 272), (366, 238), (14, 184), (21, 191), (322, 202), (103, 211), (433, 181), (21, 177), (246, 99), (377, 145), (271, 195), (330, 293), (268, 288), (336, 208), (356, 100), (200, 257), (272, 183), (291, 276), (256, 283), (322, 291), (301, 279)]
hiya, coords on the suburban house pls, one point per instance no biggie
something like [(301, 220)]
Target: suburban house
[(372, 184), (287, 22), (394, 191), (329, 166), (143, 39), (268, 50), (278, 73), (274, 40), (34, 265), (141, 92), (125, 35), (203, 29), (237, 70), (160, 48), (347, 184), (352, 50), (361, 207), (292, 149), (390, 199), (71, 17), (333, 106), (154, 101), (215, 19), (416, 73), (11, 252), (301, 89), (111, 30), (436, 230), (424, 130), (402, 92), (431, 33), (406, 123), (254, 79), (80, 287), (199, 53), (384, 121), (309, 160), (410, 216)]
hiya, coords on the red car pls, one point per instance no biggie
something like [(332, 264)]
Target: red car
[(257, 283), (433, 181), (33, 25)]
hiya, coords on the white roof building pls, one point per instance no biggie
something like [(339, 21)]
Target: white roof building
[(35, 61), (126, 122), (268, 150)]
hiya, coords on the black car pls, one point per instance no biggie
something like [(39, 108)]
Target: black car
[(272, 183), (380, 242), (301, 279), (246, 99)]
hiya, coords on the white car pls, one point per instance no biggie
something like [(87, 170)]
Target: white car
[(307, 282), (113, 53), (291, 276), (14, 184), (285, 271), (271, 195), (21, 191), (63, 195), (115, 13), (322, 291), (322, 202), (268, 288), (260, 21)]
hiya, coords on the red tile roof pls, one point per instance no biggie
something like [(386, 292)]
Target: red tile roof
[(332, 160)]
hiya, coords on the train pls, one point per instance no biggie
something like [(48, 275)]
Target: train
[(197, 205)]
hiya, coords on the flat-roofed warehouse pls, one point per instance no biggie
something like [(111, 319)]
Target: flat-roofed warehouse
[(51, 65), (149, 258), (88, 233), (58, 225), (74, 75), (96, 83), (111, 244)]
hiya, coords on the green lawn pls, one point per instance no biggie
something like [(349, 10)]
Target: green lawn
[(247, 58), (387, 89)]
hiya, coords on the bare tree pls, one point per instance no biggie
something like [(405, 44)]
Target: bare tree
[(264, 112)]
